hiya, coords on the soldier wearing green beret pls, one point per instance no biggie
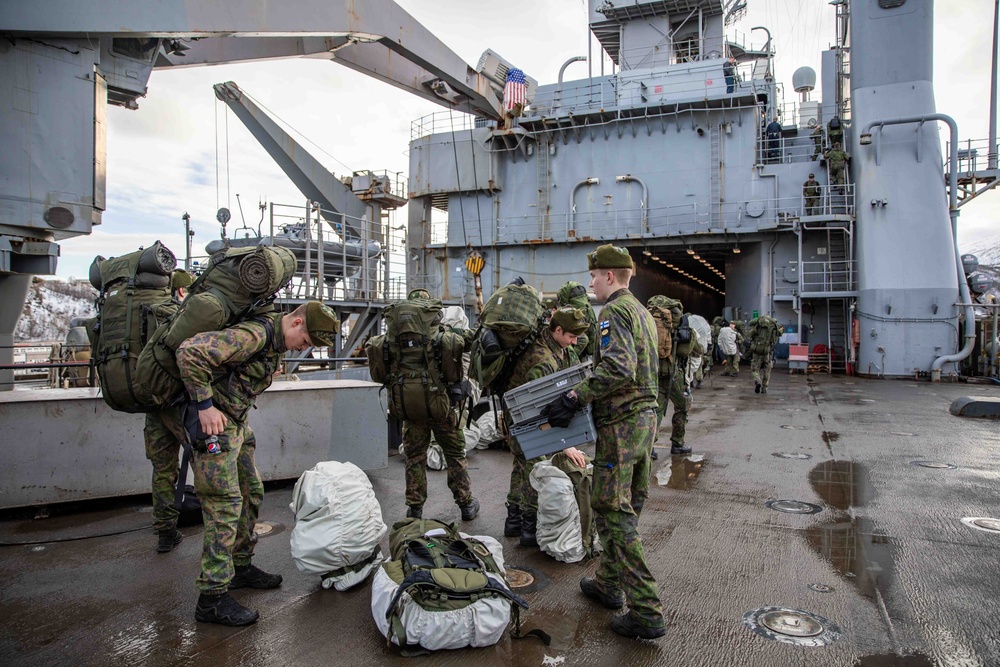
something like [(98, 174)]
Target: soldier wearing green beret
[(226, 477), (419, 293), (552, 351), (574, 294), (622, 390)]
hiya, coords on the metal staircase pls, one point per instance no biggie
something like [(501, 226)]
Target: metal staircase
[(836, 309)]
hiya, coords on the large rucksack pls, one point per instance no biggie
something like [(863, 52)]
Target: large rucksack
[(764, 334), (420, 365), (238, 284), (510, 322), (135, 299), (567, 528), (664, 330), (442, 589), (338, 525)]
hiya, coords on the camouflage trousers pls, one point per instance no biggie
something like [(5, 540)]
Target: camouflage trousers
[(416, 440), (163, 447), (733, 364), (621, 485), (760, 366), (521, 492), (230, 490), (672, 394)]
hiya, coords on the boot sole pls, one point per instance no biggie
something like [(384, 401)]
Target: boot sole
[(644, 633), (162, 549), (235, 585), (603, 600), (205, 618)]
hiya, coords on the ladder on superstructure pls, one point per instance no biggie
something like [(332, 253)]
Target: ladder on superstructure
[(715, 186), (836, 308), (542, 151)]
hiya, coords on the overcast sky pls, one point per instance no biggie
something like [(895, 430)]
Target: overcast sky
[(162, 158)]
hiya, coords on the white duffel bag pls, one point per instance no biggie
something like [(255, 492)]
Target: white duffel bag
[(338, 524)]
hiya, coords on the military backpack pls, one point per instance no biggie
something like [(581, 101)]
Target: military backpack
[(764, 334), (135, 298), (441, 571), (510, 322), (239, 284), (419, 364), (664, 331)]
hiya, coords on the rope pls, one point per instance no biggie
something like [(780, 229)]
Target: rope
[(458, 177)]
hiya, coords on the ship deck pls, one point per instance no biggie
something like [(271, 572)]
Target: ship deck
[(904, 580)]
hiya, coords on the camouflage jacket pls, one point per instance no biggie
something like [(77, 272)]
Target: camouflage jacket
[(231, 367), (544, 357), (625, 379), (837, 158), (811, 188)]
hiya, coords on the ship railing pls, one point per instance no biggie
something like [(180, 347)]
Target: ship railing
[(786, 150), (973, 156), (330, 269), (684, 52), (386, 182), (786, 280), (794, 114), (443, 121), (833, 200), (827, 277)]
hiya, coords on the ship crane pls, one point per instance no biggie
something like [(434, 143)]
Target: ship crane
[(63, 61)]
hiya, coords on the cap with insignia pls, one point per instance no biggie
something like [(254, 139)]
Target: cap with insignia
[(572, 320), (180, 278), (419, 293), (321, 323), (609, 257)]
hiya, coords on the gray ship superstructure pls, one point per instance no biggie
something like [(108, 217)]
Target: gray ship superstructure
[(669, 158)]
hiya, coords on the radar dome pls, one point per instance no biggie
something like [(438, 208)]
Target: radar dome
[(804, 79)]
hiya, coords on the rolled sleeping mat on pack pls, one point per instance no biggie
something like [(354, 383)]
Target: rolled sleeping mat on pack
[(157, 259), (95, 272), (264, 272)]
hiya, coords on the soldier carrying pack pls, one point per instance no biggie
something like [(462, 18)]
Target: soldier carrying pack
[(764, 334), (419, 364)]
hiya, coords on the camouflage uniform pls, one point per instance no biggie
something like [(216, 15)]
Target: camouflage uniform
[(667, 393), (811, 192), (761, 346), (544, 357), (817, 137), (836, 162), (230, 368), (162, 434), (416, 440), (623, 392)]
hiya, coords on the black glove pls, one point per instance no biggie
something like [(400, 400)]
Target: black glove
[(562, 410)]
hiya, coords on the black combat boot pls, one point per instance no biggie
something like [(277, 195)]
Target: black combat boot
[(512, 526), (679, 450), (763, 389), (414, 511), (470, 510), (251, 576), (529, 524), (168, 539), (756, 387), (224, 610), (628, 626), (593, 591), (652, 454)]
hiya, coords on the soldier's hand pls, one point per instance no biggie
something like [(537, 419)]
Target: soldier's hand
[(576, 456), (561, 410), (213, 421)]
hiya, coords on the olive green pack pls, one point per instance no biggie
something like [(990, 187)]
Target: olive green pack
[(419, 364), (513, 315), (583, 488), (238, 284), (134, 300), (764, 334), (442, 572)]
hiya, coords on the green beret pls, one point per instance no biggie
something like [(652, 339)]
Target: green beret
[(419, 293), (180, 278), (572, 320), (573, 294), (609, 257), (322, 323)]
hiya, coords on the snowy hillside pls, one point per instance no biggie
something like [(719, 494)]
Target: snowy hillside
[(50, 306), (988, 252)]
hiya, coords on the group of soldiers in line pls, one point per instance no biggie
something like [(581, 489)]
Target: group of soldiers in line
[(626, 391), (829, 144)]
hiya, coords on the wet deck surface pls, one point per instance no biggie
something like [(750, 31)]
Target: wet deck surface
[(908, 583)]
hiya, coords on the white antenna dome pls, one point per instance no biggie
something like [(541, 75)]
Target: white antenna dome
[(804, 79)]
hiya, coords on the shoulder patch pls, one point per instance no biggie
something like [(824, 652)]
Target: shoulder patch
[(605, 327)]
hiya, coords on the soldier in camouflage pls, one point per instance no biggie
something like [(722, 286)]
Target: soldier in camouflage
[(223, 373), (575, 295), (764, 334), (163, 448), (552, 351), (622, 391)]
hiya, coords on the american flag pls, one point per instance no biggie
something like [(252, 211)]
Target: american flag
[(515, 89)]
